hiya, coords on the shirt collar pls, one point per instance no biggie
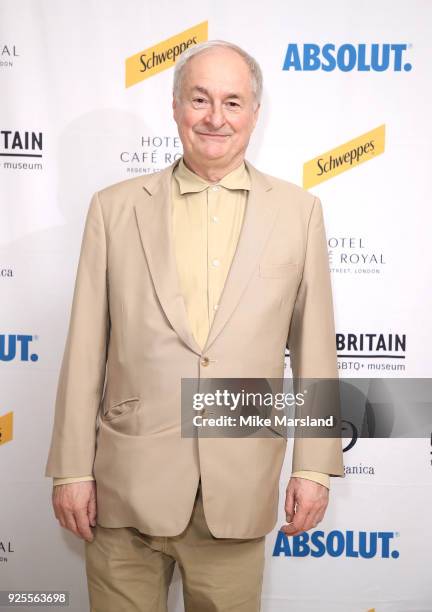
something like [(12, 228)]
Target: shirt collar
[(190, 182)]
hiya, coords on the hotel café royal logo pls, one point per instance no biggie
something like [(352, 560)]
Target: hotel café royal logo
[(8, 54), (354, 255), (344, 157), (163, 55), (151, 153), (6, 549)]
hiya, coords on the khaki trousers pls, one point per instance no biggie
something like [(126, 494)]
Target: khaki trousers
[(128, 571)]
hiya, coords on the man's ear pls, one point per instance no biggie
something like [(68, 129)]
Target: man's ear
[(256, 114), (175, 108)]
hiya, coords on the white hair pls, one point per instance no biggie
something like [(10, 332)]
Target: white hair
[(254, 68)]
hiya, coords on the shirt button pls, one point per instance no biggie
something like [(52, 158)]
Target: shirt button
[(215, 263), (216, 306), (215, 188), (205, 361), (215, 219)]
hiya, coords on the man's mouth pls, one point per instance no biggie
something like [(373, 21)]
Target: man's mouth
[(211, 135)]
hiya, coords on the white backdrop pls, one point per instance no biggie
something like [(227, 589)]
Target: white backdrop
[(62, 77)]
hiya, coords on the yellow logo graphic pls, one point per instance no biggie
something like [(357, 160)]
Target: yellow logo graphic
[(343, 158), (149, 62), (6, 427)]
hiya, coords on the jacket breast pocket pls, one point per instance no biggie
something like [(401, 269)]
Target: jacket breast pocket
[(281, 270)]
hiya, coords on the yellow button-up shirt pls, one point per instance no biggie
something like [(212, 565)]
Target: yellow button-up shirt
[(207, 219)]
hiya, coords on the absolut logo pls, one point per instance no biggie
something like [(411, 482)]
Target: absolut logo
[(354, 544), (359, 57), (17, 347)]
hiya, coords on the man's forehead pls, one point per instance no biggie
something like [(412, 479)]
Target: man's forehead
[(226, 62), (209, 88), (218, 72), (226, 81)]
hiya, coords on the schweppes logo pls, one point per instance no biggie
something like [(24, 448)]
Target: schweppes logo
[(149, 62), (343, 158), (6, 428)]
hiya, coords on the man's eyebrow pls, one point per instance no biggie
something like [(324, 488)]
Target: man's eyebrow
[(200, 89), (203, 90)]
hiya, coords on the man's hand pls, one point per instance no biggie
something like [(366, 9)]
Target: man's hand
[(305, 505), (75, 507)]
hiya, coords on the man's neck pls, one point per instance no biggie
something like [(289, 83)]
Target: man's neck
[(212, 174)]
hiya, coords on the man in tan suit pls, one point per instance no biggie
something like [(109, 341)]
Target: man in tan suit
[(207, 269)]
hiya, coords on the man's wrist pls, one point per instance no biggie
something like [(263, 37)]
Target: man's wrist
[(320, 477), (69, 480)]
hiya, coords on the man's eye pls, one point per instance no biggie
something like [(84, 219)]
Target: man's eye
[(233, 104), (199, 100)]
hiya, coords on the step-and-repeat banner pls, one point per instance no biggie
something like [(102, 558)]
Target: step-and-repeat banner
[(86, 102)]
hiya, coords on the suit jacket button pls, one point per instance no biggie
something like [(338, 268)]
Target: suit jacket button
[(205, 361)]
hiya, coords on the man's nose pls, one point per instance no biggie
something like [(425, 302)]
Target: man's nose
[(215, 116)]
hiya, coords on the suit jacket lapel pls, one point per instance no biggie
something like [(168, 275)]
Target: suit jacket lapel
[(258, 221), (155, 227)]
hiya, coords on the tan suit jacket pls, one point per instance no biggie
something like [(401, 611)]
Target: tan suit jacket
[(129, 345)]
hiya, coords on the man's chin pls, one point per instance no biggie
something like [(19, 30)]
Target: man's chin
[(213, 153)]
